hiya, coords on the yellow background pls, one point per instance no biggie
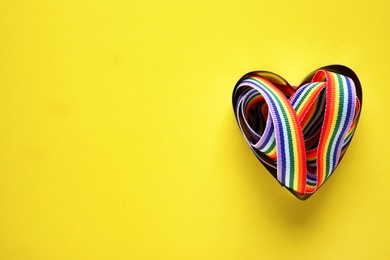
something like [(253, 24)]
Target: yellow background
[(118, 139)]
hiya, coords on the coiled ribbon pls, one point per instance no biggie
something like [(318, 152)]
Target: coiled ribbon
[(300, 134)]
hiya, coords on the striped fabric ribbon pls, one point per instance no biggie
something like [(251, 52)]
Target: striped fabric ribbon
[(299, 132)]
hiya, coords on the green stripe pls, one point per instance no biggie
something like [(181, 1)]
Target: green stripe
[(271, 147), (338, 119)]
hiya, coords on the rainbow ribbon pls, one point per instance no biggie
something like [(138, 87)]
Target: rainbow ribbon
[(299, 133)]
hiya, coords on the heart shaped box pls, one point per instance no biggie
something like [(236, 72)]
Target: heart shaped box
[(286, 89)]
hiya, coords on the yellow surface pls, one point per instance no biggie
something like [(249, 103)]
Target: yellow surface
[(118, 139)]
